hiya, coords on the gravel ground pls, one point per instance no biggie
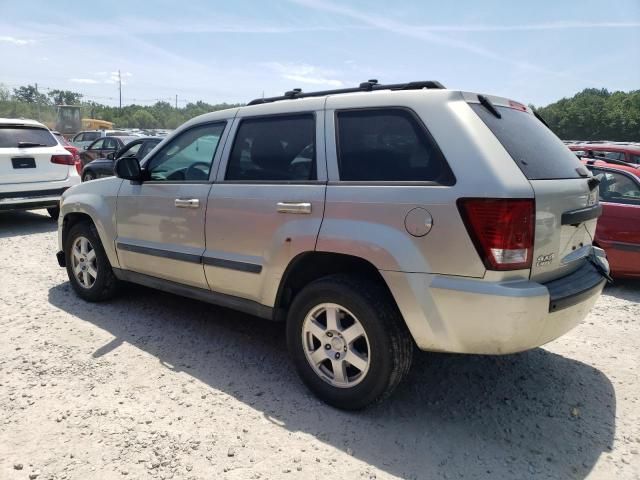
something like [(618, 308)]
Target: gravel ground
[(155, 386)]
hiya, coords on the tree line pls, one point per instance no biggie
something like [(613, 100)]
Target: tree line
[(28, 102), (595, 114), (592, 114)]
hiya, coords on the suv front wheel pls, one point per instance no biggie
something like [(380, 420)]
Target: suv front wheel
[(348, 341), (88, 267)]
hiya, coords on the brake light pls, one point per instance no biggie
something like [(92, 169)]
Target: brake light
[(63, 159), (501, 229)]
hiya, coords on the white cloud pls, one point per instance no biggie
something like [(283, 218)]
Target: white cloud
[(15, 41), (87, 81), (304, 73)]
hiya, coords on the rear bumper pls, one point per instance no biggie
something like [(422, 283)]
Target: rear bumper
[(462, 315), (34, 195)]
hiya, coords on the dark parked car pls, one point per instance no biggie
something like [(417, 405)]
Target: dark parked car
[(102, 147), (135, 147)]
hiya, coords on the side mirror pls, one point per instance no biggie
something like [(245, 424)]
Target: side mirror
[(111, 156), (128, 168), (85, 147)]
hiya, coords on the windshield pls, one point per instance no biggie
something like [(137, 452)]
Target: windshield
[(535, 149)]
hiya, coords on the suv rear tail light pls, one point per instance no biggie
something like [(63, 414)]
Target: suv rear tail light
[(501, 229), (63, 159)]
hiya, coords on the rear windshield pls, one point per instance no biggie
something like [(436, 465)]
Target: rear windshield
[(537, 151), (12, 136), (91, 136)]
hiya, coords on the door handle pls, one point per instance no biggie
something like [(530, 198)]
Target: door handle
[(187, 203), (294, 207)]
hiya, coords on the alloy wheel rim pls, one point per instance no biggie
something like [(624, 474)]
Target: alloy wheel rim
[(336, 345), (83, 262)]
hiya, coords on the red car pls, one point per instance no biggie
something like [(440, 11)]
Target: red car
[(618, 231), (73, 150), (629, 153)]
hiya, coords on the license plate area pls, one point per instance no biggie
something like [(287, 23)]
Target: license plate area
[(23, 162)]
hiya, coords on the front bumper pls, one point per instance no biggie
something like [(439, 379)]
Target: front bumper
[(463, 315)]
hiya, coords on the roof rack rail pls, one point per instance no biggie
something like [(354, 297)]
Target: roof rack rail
[(367, 86)]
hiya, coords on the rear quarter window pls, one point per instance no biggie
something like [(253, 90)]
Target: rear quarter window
[(388, 145), (11, 137), (538, 152)]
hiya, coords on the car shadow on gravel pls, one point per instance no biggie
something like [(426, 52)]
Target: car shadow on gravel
[(18, 223), (535, 414), (624, 289)]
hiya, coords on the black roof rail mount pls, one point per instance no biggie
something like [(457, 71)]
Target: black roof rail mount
[(367, 86)]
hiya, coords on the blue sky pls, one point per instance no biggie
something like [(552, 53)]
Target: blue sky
[(534, 51)]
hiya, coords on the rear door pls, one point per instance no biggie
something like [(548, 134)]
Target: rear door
[(25, 155), (267, 204), (618, 229), (566, 202)]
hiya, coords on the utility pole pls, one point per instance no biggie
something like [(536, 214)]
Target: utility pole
[(120, 87), (176, 101)]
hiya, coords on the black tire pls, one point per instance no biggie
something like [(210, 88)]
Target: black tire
[(105, 285), (54, 212), (88, 176), (390, 342)]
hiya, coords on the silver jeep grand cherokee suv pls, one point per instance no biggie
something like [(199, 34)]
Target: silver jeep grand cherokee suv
[(370, 219)]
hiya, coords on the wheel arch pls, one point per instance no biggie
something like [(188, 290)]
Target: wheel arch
[(309, 266)]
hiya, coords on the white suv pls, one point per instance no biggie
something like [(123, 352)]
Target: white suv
[(34, 168)]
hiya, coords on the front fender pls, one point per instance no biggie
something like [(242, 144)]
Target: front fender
[(98, 200)]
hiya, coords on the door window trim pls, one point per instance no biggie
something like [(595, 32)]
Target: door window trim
[(215, 161), (421, 126), (317, 141)]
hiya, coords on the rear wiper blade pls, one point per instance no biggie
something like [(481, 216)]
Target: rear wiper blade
[(486, 103), (539, 117), (30, 144)]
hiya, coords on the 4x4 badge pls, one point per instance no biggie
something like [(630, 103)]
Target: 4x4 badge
[(543, 260)]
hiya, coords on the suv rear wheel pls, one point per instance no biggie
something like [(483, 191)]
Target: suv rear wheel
[(88, 267), (348, 341)]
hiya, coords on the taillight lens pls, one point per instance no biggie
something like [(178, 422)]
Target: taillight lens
[(63, 159), (501, 229)]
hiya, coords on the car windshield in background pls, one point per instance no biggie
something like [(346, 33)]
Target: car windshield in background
[(535, 149), (16, 136)]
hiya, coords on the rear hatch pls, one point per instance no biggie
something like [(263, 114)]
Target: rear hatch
[(565, 194), (25, 155)]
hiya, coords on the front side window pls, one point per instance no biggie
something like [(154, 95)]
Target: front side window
[(148, 146), (388, 145), (617, 187), (188, 157), (130, 150), (608, 155), (110, 144), (98, 145), (635, 158), (276, 148)]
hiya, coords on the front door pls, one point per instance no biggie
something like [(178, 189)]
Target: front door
[(161, 221), (267, 204)]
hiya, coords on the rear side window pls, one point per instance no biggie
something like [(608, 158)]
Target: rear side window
[(276, 148), (12, 137), (535, 149), (388, 145)]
